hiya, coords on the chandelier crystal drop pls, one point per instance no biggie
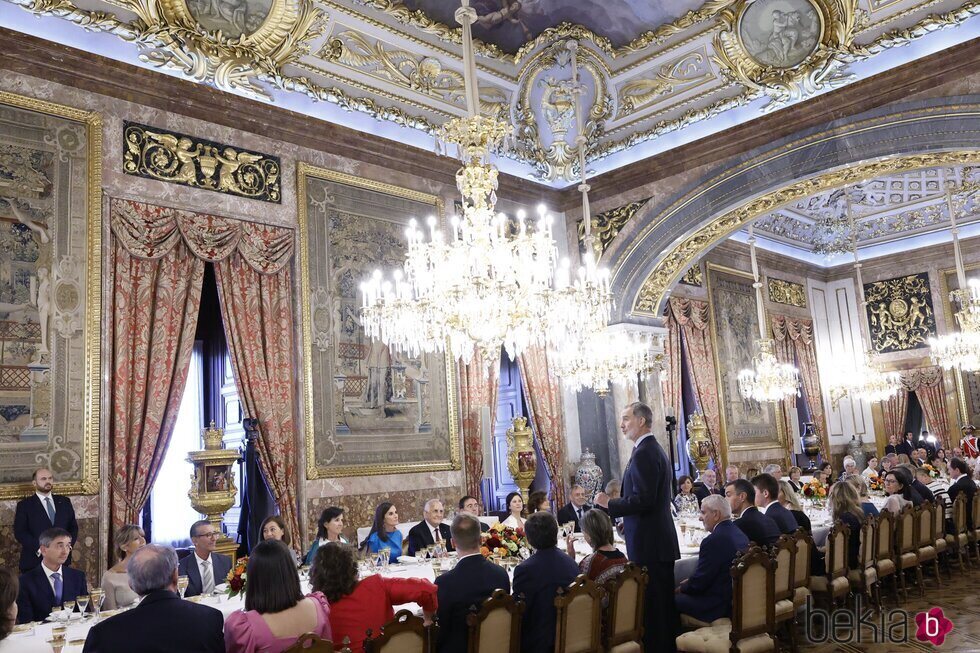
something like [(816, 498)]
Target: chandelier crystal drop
[(492, 281), (607, 356)]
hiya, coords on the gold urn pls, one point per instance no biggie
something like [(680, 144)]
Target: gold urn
[(213, 490), (698, 443), (521, 457)]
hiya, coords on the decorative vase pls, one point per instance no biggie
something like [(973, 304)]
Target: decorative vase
[(588, 474), (855, 449), (811, 446), (521, 459), (698, 442), (213, 490)]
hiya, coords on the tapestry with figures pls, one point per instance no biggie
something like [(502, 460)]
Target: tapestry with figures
[(900, 313)]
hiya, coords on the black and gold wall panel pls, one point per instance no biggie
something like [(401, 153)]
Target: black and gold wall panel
[(900, 313), (190, 161)]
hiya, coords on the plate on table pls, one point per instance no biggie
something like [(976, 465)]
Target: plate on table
[(408, 560)]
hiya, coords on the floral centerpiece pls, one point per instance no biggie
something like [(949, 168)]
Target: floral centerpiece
[(933, 472), (237, 577), (505, 541), (815, 491), (876, 485)]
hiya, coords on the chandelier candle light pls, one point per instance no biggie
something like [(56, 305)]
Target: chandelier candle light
[(491, 282), (767, 380)]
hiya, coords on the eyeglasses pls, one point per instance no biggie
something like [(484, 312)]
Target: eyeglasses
[(211, 534)]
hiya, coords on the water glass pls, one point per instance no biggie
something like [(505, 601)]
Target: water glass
[(98, 596), (70, 608), (83, 601)]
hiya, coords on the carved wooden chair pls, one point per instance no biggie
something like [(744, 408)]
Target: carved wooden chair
[(623, 616), (939, 533), (784, 556), (864, 579), (906, 547), (959, 540), (496, 626), (833, 584), (313, 643), (578, 617), (801, 568), (406, 633), (926, 524), (885, 564)]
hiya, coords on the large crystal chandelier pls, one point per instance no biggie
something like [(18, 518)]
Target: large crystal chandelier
[(767, 379), (832, 231), (491, 282), (867, 381), (612, 355), (960, 350)]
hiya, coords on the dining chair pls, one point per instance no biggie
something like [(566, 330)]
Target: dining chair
[(784, 556), (864, 579), (959, 540), (578, 617), (406, 633), (622, 630), (939, 533), (801, 568), (495, 627), (926, 524), (833, 583), (313, 643), (906, 548)]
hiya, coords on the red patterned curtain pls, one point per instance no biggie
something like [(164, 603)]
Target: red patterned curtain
[(799, 332), (547, 416), (895, 411), (927, 384), (784, 354), (693, 318), (477, 388)]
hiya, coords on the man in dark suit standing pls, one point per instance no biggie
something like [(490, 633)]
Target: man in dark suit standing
[(575, 509), (959, 471), (892, 446), (906, 446), (161, 623), (538, 578), (707, 485), (52, 582), (39, 512), (431, 529), (707, 594), (757, 527), (766, 495), (204, 568), (469, 583), (470, 505), (651, 539)]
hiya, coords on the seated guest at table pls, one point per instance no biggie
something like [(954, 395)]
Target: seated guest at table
[(538, 579), (515, 514), (614, 488), (757, 527), (774, 470), (606, 560), (956, 452), (52, 582), (469, 583), (861, 488), (888, 462), (920, 492), (204, 568), (276, 612), (850, 468), (329, 528), (161, 623), (941, 455), (384, 532), (9, 588), (933, 486), (686, 500), (871, 471), (430, 530), (357, 606), (960, 473), (899, 490), (707, 594), (538, 502), (573, 511), (794, 478), (767, 501), (789, 499), (732, 473), (274, 528), (825, 474), (844, 506), (115, 581), (707, 485), (470, 505)]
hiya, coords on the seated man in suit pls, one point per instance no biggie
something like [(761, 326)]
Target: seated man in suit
[(707, 594), (430, 530), (918, 487), (537, 580), (575, 509), (757, 527), (161, 623), (469, 583), (472, 506), (707, 485), (203, 567), (39, 512), (959, 471), (51, 583), (766, 500)]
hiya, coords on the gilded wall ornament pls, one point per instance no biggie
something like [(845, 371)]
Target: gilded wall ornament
[(681, 74), (900, 315), (787, 292), (607, 225), (694, 276), (169, 156)]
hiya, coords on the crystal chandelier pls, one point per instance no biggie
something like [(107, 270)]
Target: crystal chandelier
[(868, 381), (490, 282), (960, 350), (767, 379), (608, 356), (832, 231)]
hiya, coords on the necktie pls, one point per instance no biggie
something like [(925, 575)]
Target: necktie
[(50, 507), (207, 578), (579, 512), (436, 535), (57, 588)]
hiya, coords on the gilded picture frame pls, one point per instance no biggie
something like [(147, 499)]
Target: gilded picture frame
[(350, 430), (72, 293)]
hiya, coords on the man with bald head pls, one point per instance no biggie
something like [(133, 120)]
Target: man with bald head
[(39, 512)]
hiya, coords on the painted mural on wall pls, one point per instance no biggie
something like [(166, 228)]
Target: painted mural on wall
[(45, 269), (373, 410), (900, 313)]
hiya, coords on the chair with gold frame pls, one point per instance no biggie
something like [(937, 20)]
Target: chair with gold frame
[(622, 630), (578, 617), (784, 557), (906, 548), (885, 564), (313, 643), (959, 540), (833, 584), (496, 626), (926, 526), (406, 633), (864, 579), (801, 568)]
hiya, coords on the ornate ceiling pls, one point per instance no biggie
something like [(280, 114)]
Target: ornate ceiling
[(657, 72)]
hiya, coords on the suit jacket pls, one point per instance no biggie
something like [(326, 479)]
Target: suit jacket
[(711, 581), (702, 492), (645, 506), (469, 583), (891, 448), (966, 485), (759, 528), (420, 536), (220, 565), (906, 447), (784, 518), (31, 519), (537, 579), (567, 514), (161, 623), (36, 598), (923, 490)]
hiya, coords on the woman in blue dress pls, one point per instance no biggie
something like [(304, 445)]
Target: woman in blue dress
[(384, 532)]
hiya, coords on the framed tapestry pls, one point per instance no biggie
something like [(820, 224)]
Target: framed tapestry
[(900, 315), (50, 294), (745, 424), (369, 410)]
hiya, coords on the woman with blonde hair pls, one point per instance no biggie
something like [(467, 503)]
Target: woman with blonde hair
[(790, 500), (115, 581), (845, 507), (862, 490)]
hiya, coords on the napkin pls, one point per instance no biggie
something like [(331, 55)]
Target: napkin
[(407, 559)]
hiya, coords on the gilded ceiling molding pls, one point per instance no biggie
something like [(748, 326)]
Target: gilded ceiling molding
[(787, 292), (683, 73), (607, 225), (694, 276), (677, 258), (903, 36)]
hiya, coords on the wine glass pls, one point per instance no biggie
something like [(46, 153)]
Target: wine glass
[(98, 596), (83, 601), (69, 608), (182, 585)]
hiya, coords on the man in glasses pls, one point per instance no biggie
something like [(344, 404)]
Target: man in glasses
[(51, 583), (204, 568)]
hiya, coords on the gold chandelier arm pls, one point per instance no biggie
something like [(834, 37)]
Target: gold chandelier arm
[(960, 271), (580, 138), (757, 284)]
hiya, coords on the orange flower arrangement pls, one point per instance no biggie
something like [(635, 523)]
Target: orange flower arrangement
[(815, 490), (933, 472), (875, 484), (237, 577), (505, 541)]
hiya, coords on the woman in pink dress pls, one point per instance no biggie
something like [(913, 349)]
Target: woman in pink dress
[(276, 612)]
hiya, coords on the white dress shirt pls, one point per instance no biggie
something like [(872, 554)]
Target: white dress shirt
[(44, 502), (49, 572), (641, 439)]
